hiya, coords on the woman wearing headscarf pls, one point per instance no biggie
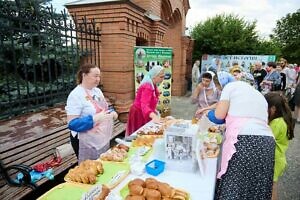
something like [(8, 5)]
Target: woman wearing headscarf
[(143, 109), (206, 94), (247, 160)]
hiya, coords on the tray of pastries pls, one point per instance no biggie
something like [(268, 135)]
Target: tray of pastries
[(92, 172), (144, 140), (150, 188), (117, 153), (87, 172), (153, 129), (209, 146)]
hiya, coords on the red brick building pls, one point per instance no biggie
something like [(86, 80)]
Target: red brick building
[(128, 23)]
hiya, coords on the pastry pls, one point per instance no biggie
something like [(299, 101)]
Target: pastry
[(86, 172), (212, 146), (135, 189), (165, 189), (137, 181), (104, 193), (151, 183), (152, 194), (135, 197), (124, 147)]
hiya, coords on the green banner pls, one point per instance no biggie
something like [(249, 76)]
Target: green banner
[(147, 57)]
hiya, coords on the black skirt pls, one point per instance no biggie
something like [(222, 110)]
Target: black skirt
[(297, 95), (250, 171)]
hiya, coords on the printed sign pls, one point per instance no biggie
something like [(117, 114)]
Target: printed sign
[(246, 62), (147, 57)]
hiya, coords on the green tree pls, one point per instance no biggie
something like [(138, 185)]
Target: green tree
[(225, 34), (268, 47), (37, 56), (287, 35)]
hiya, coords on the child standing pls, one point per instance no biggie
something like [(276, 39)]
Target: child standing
[(281, 123)]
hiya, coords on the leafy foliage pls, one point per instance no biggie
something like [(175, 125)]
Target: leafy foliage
[(225, 34), (287, 35), (37, 55)]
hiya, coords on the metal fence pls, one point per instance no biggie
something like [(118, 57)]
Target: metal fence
[(39, 57)]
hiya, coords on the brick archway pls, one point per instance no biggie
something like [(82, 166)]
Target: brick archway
[(166, 10), (125, 24)]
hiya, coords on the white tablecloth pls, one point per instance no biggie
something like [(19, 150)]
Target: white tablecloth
[(199, 186)]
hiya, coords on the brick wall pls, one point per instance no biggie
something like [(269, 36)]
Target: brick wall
[(121, 23)]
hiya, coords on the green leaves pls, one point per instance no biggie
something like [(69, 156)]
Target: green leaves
[(287, 35), (225, 34)]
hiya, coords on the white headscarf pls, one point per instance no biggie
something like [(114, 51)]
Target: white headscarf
[(151, 74), (212, 84)]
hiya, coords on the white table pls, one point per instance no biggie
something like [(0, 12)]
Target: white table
[(197, 185)]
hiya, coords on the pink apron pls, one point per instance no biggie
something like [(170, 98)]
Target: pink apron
[(96, 140), (233, 127)]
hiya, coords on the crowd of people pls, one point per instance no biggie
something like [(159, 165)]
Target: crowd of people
[(257, 115), (273, 76), (257, 108)]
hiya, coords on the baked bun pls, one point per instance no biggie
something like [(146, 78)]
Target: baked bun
[(152, 194), (122, 146), (151, 183), (135, 197), (137, 181), (165, 189), (135, 189)]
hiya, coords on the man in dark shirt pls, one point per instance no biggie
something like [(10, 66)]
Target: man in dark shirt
[(259, 74), (282, 75)]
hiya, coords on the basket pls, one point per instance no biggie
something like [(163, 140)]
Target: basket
[(155, 167)]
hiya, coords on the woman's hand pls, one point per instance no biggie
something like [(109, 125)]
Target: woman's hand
[(155, 118), (114, 114), (197, 91), (98, 117), (201, 111)]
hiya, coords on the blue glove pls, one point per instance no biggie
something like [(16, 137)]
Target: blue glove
[(212, 117), (81, 124)]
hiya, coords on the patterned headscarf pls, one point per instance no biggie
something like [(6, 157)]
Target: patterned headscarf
[(224, 78), (247, 77)]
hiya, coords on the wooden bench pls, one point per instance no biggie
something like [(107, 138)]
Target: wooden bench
[(32, 139)]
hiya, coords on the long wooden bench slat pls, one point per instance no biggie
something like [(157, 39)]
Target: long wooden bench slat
[(7, 151), (10, 145), (49, 145), (49, 150)]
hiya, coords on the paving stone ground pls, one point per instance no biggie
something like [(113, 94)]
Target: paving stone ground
[(289, 183)]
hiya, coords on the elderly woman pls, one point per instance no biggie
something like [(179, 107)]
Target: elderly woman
[(88, 116), (272, 80), (143, 109), (206, 94), (247, 161)]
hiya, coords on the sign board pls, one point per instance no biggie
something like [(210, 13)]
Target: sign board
[(147, 57), (210, 62)]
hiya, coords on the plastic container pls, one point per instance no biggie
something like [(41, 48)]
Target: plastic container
[(155, 167)]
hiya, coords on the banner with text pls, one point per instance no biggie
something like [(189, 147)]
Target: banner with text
[(147, 57), (210, 62)]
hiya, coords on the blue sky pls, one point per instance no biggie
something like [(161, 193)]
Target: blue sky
[(265, 12)]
